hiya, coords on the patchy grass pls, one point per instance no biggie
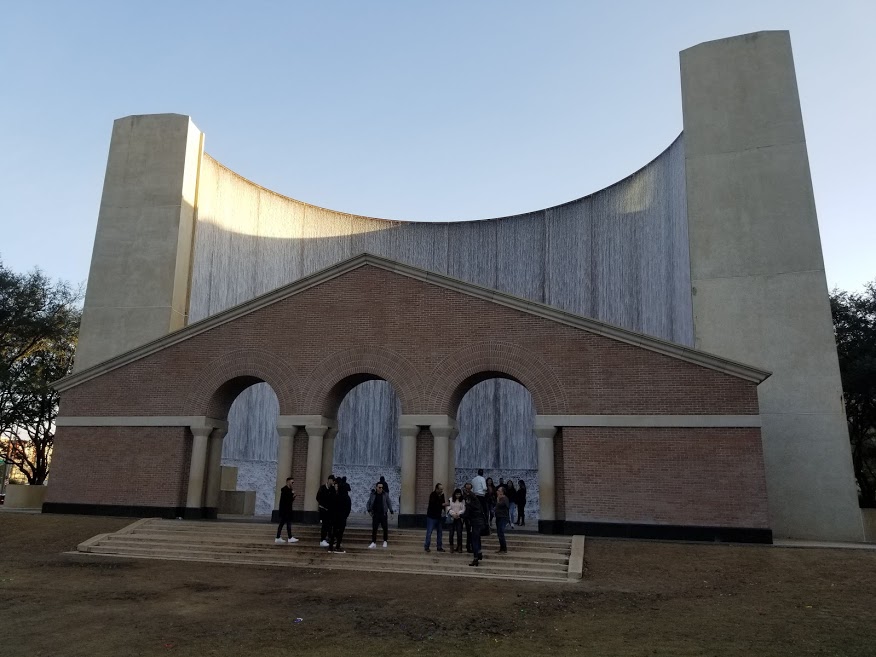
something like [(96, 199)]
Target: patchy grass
[(638, 598)]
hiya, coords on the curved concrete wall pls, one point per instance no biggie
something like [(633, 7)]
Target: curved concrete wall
[(619, 255)]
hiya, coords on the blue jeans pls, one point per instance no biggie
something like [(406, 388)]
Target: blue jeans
[(512, 510), (433, 523), (501, 523)]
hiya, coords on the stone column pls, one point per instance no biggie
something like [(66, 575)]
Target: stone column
[(441, 455), (214, 468), (315, 434), (328, 452), (546, 478), (195, 495), (284, 460), (451, 463), (408, 437)]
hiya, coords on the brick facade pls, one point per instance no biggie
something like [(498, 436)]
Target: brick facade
[(432, 344)]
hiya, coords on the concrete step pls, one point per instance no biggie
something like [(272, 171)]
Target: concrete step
[(240, 545), (325, 560), (546, 561), (531, 557)]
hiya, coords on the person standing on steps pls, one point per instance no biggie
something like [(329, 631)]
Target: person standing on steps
[(479, 486), (511, 495), (380, 508), (502, 517), (457, 508), (466, 521), (343, 506), (521, 503), (325, 500), (287, 496), (434, 516), (474, 511)]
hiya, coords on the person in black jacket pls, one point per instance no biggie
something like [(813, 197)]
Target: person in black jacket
[(343, 506), (287, 496), (474, 511), (325, 500), (521, 503), (434, 514)]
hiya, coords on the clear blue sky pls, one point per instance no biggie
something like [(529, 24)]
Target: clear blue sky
[(406, 110)]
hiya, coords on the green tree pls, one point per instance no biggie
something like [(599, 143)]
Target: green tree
[(854, 321), (39, 322)]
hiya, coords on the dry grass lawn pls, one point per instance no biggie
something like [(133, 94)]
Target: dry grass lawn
[(638, 598)]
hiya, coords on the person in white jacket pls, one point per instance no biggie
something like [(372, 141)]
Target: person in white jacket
[(456, 509)]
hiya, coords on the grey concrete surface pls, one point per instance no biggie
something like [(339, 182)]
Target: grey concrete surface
[(757, 272), (139, 277)]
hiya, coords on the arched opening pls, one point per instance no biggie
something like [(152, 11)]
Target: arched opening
[(367, 441), (250, 445), (495, 419)]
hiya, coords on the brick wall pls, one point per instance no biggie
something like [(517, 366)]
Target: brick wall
[(705, 477), (142, 466), (424, 483), (299, 466)]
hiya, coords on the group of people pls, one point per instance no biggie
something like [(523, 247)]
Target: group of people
[(471, 509), (334, 506)]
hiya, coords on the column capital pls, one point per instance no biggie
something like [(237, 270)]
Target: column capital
[(316, 430), (545, 432), (219, 433), (201, 431), (289, 431), (408, 430)]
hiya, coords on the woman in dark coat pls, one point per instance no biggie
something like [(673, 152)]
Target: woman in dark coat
[(521, 503), (340, 513), (474, 512)]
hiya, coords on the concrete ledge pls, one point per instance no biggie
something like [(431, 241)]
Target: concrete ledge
[(134, 525), (20, 496), (576, 558), (683, 421), (141, 421)]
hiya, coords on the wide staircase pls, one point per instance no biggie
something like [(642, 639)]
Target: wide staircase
[(530, 556)]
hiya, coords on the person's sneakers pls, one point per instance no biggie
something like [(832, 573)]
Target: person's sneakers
[(340, 551), (385, 544), (279, 540), (292, 539), (331, 550), (428, 550), (372, 546), (440, 549), (323, 544)]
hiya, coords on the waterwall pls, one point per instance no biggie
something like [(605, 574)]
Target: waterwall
[(619, 255)]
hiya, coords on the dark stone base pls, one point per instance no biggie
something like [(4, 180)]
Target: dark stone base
[(412, 521), (128, 511), (661, 532)]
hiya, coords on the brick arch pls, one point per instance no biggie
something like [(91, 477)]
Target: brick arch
[(222, 379), (343, 370), (465, 368)]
